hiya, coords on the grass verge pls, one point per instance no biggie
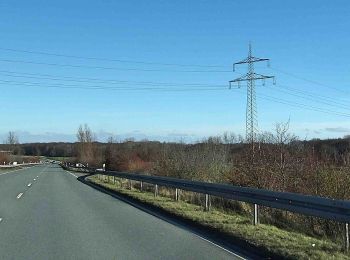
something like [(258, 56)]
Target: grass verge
[(8, 170), (283, 243)]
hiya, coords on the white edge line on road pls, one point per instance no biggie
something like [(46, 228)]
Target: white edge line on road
[(0, 219), (19, 195), (72, 174), (29, 184), (228, 251)]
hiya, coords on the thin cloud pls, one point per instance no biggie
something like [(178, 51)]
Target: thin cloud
[(338, 129)]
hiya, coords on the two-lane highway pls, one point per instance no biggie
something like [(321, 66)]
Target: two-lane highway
[(58, 217)]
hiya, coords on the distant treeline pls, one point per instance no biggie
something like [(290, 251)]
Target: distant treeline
[(329, 147)]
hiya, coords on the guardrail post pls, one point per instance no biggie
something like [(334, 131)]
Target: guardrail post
[(141, 186), (156, 190), (207, 202), (256, 214), (176, 194), (346, 246)]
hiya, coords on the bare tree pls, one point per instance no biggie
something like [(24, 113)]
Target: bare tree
[(12, 142), (11, 138), (86, 149)]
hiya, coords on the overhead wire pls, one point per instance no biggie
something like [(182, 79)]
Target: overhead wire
[(309, 80), (111, 60), (94, 80), (110, 68), (310, 98), (160, 85), (300, 105), (97, 87)]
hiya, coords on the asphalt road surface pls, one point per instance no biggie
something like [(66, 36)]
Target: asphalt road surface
[(46, 213)]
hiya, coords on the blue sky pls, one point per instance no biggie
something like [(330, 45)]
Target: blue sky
[(307, 42)]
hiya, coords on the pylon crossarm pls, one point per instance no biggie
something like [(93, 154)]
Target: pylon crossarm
[(249, 60), (259, 76), (253, 59), (253, 76), (242, 78), (238, 84)]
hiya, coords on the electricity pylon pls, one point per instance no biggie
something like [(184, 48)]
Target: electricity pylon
[(251, 110)]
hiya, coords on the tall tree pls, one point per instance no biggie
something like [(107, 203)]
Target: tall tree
[(11, 138), (86, 149)]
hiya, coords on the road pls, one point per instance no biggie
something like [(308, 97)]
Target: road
[(46, 213)]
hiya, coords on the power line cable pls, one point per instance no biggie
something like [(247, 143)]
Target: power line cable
[(110, 68), (299, 105), (71, 86), (94, 80), (112, 60), (316, 95), (311, 98), (310, 81)]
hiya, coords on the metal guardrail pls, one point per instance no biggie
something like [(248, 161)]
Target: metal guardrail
[(332, 209), (338, 210)]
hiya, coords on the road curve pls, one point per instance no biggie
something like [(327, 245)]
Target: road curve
[(46, 213)]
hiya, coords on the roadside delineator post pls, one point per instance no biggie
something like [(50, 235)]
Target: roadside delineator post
[(346, 238), (177, 194), (156, 190), (141, 186), (256, 214), (207, 202)]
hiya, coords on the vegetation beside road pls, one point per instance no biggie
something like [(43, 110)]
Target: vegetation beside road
[(279, 162), (3, 170), (286, 244)]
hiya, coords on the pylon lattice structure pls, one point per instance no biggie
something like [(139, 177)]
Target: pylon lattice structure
[(250, 78)]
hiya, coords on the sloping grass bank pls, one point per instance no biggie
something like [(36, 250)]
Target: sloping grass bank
[(9, 169), (287, 244)]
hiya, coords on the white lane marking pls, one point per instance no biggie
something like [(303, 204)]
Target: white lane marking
[(34, 180), (38, 176), (29, 184), (0, 219), (19, 195), (72, 174)]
